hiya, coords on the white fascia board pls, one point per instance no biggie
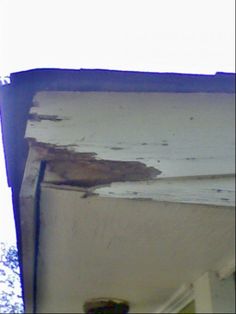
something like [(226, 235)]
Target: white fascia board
[(182, 136), (29, 225)]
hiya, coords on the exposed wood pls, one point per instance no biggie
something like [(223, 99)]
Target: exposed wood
[(127, 179), (96, 139), (179, 134), (65, 167), (28, 226)]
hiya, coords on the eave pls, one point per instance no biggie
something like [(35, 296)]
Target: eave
[(18, 99)]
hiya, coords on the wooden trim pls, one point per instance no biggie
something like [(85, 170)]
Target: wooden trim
[(28, 226), (182, 297)]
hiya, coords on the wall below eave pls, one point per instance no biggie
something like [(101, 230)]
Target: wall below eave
[(138, 250)]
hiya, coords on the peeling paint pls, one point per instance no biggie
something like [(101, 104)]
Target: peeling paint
[(101, 149), (117, 148), (83, 169), (92, 172), (40, 117), (180, 190), (160, 130)]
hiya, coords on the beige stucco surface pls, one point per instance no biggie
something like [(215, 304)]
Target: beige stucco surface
[(137, 250)]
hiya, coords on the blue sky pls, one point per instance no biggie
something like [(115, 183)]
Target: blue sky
[(187, 36)]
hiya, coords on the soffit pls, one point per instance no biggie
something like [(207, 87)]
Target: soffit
[(139, 250)]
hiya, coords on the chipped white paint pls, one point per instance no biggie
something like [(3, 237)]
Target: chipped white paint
[(179, 134), (142, 251), (201, 190), (182, 135)]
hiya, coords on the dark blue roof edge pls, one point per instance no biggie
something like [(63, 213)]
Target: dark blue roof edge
[(126, 81), (121, 71)]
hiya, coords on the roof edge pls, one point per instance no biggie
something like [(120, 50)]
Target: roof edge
[(123, 81)]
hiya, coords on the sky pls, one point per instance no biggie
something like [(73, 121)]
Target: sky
[(190, 36), (186, 36)]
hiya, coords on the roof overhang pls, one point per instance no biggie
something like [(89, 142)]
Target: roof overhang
[(20, 96)]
